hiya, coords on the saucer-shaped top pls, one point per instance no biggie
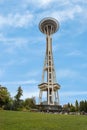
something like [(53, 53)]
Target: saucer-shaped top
[(48, 25)]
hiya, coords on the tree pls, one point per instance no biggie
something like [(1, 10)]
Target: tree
[(76, 106), (82, 106), (19, 93), (18, 102), (85, 106), (72, 108), (30, 103), (4, 96)]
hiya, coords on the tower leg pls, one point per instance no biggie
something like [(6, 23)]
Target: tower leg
[(48, 97), (57, 98), (40, 97), (53, 101)]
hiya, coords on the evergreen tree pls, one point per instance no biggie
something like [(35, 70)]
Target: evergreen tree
[(19, 93), (82, 106), (76, 106), (18, 102), (85, 105)]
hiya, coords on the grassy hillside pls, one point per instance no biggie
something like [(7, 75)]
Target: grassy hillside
[(10, 120)]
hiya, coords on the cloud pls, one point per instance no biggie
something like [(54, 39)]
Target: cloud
[(33, 73), (1, 1), (67, 14), (62, 14), (12, 43), (71, 14), (44, 2), (16, 20), (74, 75), (49, 3), (30, 94), (38, 3), (72, 96), (70, 93), (75, 53), (19, 82), (24, 17), (17, 42), (84, 65), (27, 94), (2, 72), (67, 73), (35, 93), (20, 41)]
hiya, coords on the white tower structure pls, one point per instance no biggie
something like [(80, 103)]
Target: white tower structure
[(49, 85)]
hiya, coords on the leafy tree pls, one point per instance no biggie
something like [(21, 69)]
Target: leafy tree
[(72, 108), (4, 96), (30, 103), (9, 106)]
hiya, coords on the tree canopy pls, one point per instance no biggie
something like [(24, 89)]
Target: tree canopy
[(4, 96)]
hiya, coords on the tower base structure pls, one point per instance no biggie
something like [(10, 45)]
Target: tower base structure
[(51, 94), (49, 108)]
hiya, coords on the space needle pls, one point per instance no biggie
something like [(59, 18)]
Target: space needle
[(49, 85)]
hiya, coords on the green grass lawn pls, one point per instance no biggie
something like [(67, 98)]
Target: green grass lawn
[(11, 120)]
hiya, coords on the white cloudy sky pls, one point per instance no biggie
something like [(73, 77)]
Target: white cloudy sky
[(22, 46)]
